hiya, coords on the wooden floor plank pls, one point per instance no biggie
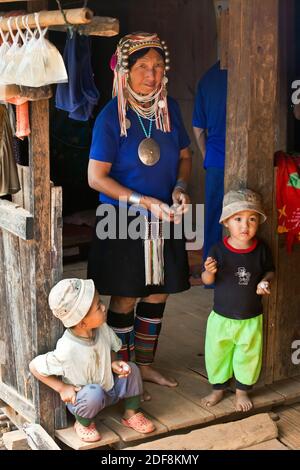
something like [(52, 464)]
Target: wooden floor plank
[(111, 418), (264, 397), (194, 388), (288, 388), (173, 410), (272, 444), (69, 437), (289, 427), (230, 436)]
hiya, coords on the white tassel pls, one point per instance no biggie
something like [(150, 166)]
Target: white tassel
[(154, 253)]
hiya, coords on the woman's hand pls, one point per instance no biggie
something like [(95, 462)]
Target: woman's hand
[(263, 288), (158, 208), (68, 393), (211, 265), (181, 202), (121, 368)]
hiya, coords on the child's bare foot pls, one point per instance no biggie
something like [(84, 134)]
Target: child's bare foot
[(146, 396), (213, 398), (242, 401), (151, 375)]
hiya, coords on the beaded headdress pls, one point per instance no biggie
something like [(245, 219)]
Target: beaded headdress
[(119, 64)]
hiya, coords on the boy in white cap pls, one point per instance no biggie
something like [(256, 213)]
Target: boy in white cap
[(241, 268), (90, 377)]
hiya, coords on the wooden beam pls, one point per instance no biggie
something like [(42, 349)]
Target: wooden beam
[(17, 419), (99, 26), (16, 220), (15, 440), (49, 18), (10, 396), (38, 438)]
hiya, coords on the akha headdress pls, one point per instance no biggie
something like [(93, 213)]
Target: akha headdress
[(121, 88)]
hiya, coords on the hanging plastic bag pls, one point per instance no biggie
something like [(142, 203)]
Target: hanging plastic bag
[(14, 54), (42, 63), (4, 47)]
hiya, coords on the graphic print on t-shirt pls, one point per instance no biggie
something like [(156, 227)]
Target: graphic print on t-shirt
[(243, 275)]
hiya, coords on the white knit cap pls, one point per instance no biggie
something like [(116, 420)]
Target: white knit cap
[(71, 299), (242, 200)]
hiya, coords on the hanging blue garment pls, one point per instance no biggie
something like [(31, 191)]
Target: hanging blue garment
[(79, 96)]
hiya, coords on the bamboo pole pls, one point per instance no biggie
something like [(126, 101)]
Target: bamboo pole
[(99, 26), (51, 18)]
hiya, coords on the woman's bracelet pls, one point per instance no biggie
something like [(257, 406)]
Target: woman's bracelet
[(180, 184), (135, 198)]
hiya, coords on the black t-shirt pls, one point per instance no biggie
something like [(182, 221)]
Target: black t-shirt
[(239, 272)]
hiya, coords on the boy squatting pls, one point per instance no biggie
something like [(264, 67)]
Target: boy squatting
[(84, 358)]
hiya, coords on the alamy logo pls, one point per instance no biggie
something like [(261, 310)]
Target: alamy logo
[(243, 275), (296, 353), (296, 93)]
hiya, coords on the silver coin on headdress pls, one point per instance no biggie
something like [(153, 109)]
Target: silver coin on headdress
[(149, 151)]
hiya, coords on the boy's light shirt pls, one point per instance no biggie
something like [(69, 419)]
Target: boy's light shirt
[(80, 361)]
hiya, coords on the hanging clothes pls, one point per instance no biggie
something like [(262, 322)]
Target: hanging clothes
[(79, 96), (9, 180), (288, 197)]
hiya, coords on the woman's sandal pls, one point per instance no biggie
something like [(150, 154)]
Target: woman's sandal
[(139, 423), (87, 433)]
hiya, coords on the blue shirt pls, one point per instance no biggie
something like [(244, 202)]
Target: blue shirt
[(210, 114), (122, 152)]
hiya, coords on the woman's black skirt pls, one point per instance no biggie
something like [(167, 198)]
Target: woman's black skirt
[(117, 265)]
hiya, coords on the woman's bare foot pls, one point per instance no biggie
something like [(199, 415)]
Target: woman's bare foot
[(213, 398), (242, 401), (151, 375)]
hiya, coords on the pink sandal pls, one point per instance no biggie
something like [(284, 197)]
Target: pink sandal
[(87, 433), (139, 423)]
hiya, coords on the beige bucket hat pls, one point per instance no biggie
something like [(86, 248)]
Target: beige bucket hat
[(242, 200), (71, 299)]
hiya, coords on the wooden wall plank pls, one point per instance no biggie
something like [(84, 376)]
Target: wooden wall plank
[(288, 295), (7, 365), (17, 319), (56, 275), (16, 220), (287, 311), (17, 402)]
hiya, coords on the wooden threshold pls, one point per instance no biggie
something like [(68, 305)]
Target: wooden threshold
[(69, 437)]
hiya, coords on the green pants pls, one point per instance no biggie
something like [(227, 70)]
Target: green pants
[(233, 348)]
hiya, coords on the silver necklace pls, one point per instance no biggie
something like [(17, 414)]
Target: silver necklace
[(148, 150)]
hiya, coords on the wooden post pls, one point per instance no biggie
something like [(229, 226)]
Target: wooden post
[(252, 114), (45, 328)]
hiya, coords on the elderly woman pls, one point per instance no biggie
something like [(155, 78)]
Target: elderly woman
[(140, 154)]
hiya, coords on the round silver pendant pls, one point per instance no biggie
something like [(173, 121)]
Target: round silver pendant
[(149, 151)]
